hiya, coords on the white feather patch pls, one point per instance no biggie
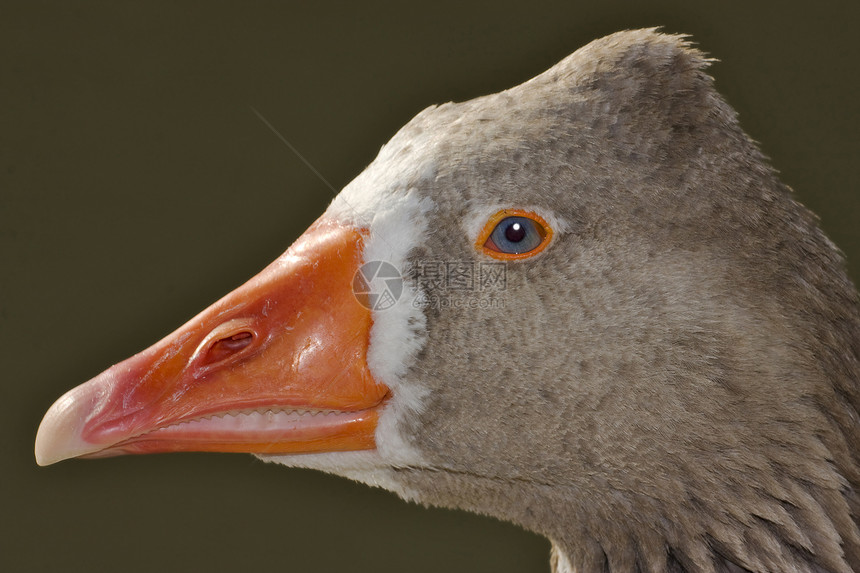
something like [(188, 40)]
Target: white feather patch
[(367, 467), (399, 332)]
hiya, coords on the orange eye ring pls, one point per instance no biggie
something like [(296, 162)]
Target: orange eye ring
[(486, 245)]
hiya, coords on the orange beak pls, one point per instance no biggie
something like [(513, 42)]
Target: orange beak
[(276, 366)]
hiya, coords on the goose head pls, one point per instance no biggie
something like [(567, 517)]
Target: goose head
[(585, 304)]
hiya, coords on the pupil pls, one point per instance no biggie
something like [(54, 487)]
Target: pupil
[(515, 233)]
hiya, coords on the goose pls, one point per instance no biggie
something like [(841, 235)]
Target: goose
[(585, 304)]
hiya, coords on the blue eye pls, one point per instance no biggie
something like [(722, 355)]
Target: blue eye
[(516, 236)]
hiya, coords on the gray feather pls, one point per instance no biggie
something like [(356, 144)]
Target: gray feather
[(672, 385)]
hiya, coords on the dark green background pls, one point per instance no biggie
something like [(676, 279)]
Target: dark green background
[(137, 186)]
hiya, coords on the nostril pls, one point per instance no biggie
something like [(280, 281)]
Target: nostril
[(228, 346), (226, 343)]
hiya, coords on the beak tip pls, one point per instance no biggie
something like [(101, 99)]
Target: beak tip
[(53, 438), (49, 447), (59, 436), (42, 459)]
